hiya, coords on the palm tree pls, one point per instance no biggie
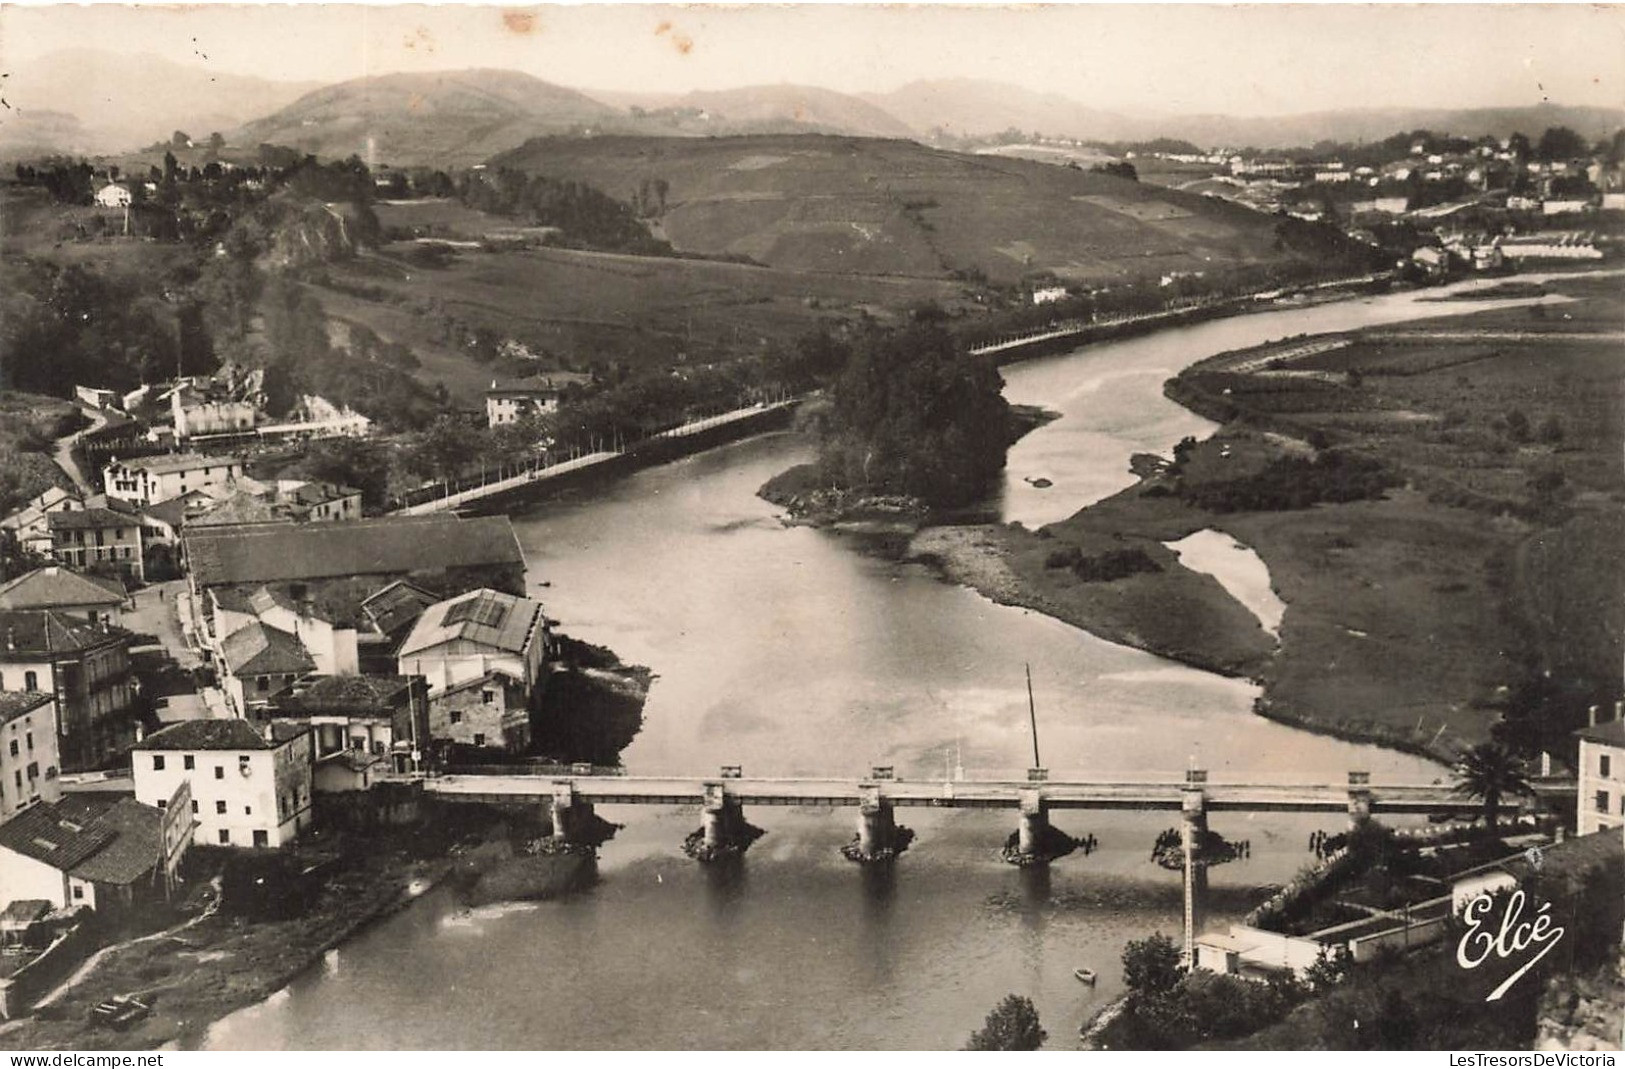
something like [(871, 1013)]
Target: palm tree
[(1488, 771)]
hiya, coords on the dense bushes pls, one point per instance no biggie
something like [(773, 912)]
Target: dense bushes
[(1104, 567), (914, 415), (1295, 483)]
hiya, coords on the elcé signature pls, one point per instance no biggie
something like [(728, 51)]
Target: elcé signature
[(1512, 936)]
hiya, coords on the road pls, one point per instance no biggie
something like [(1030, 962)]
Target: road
[(63, 452)]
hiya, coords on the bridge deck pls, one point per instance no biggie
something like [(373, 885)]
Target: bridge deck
[(963, 794)]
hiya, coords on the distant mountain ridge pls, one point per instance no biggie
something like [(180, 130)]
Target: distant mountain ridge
[(440, 118), (102, 101), (89, 101), (968, 107)]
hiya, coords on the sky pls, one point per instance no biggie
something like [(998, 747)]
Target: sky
[(1241, 60)]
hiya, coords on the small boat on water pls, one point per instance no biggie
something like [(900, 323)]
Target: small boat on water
[(1085, 975)]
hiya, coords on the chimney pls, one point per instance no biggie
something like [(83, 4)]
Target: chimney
[(11, 639), (1591, 717), (1619, 710), (1545, 763), (270, 736), (140, 732)]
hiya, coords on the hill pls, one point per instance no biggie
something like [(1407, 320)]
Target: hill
[(442, 118), (862, 206), (790, 109), (91, 101), (967, 107)]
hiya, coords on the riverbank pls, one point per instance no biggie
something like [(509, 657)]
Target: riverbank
[(231, 960), (1416, 615)]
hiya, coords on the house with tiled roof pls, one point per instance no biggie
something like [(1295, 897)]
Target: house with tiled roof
[(83, 850), (88, 669), (29, 758), (484, 655), (250, 786), (256, 661), (91, 598), (327, 573), (103, 539), (360, 725), (30, 525), (1601, 775), (150, 480)]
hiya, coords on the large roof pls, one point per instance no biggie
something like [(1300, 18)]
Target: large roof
[(46, 631), (345, 694), (94, 838), (54, 587), (135, 847), (386, 545), (207, 735), (485, 617), (157, 465), (91, 519), (1609, 734), (15, 703), (257, 650), (243, 507)]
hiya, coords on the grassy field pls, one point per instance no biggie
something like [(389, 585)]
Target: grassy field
[(1413, 619), (586, 308), (895, 207), (29, 423)]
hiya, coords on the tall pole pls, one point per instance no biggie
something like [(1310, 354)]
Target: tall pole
[(1032, 715)]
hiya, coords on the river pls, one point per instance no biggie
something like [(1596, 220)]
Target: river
[(792, 652)]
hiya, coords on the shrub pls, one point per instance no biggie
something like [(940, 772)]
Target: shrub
[(1114, 564), (1067, 557)]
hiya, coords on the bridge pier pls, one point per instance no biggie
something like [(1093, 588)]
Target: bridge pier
[(1033, 826), (571, 815), (1359, 799), (879, 838), (724, 831)]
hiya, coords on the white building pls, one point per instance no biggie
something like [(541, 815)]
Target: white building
[(112, 195), (1602, 777), (149, 480), (29, 761), (537, 396), (474, 634), (248, 788)]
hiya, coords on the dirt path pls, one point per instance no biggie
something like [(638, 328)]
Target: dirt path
[(63, 453)]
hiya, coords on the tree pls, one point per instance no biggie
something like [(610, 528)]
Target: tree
[(1560, 143), (1489, 771), (1013, 1025), (1151, 965)]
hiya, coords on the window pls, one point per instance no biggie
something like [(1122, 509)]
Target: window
[(30, 737), (479, 738), (188, 762), (456, 716), (262, 684), (157, 762), (161, 803), (1603, 764), (358, 742), (194, 807), (33, 770), (225, 836), (220, 808), (219, 771), (31, 681), (78, 892), (1602, 801), (488, 696), (261, 838), (14, 747), (248, 810)]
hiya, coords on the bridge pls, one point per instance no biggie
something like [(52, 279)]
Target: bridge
[(506, 479), (721, 800)]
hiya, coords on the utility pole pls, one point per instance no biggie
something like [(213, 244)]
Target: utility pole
[(1032, 715)]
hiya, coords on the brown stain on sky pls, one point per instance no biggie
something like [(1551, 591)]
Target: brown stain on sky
[(679, 40), (520, 22), (422, 38)]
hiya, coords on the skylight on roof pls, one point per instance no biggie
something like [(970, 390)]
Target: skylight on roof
[(487, 611)]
